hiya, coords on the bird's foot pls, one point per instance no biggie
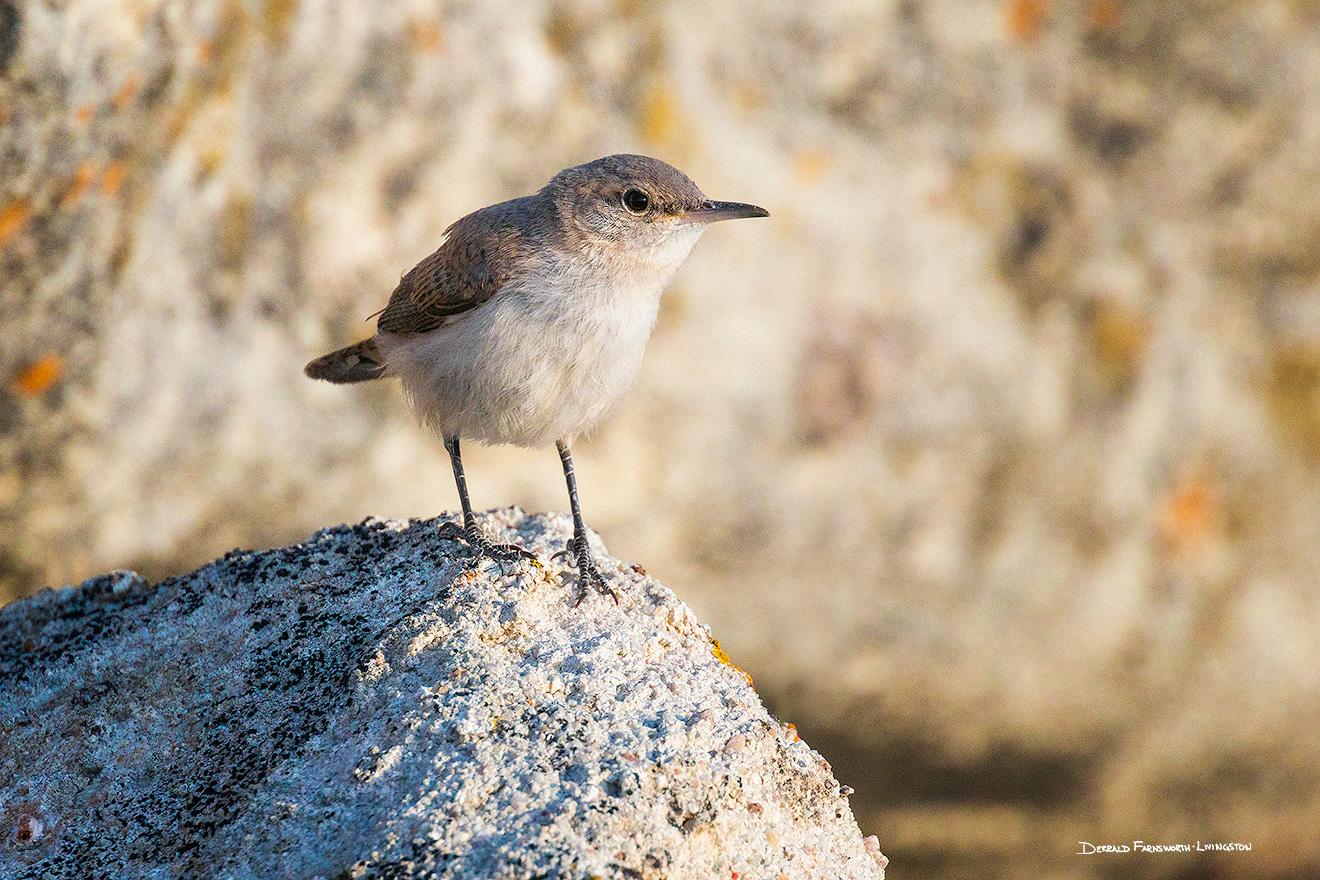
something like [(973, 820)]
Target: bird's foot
[(501, 552), (483, 547), (588, 575)]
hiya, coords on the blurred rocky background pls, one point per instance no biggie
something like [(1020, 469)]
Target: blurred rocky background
[(994, 455)]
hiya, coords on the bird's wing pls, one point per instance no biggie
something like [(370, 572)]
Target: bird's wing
[(475, 261)]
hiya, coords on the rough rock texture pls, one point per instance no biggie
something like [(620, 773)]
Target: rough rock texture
[(993, 454), (368, 704)]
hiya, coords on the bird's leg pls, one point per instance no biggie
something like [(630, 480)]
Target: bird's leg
[(588, 574), (480, 544)]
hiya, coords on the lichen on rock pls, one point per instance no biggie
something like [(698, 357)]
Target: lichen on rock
[(370, 703)]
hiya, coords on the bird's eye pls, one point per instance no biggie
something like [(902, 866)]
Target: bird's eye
[(636, 201)]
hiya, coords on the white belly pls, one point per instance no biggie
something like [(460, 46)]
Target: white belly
[(526, 368)]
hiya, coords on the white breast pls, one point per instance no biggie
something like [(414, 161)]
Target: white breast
[(547, 357)]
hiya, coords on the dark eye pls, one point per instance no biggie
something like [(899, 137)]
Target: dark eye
[(636, 201)]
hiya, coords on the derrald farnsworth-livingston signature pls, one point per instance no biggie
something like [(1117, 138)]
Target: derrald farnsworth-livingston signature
[(1141, 846)]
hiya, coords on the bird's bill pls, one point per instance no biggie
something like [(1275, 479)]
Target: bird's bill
[(710, 211)]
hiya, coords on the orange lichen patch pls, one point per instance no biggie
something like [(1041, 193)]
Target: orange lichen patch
[(426, 35), (84, 113), (1025, 17), (724, 658), (810, 166), (719, 652), (276, 19), (1192, 513), (113, 178), (1121, 337), (184, 111), (1293, 393), (212, 159), (1103, 15), (37, 378), (12, 218), (127, 92), (791, 730), (659, 116), (235, 230), (749, 96), (82, 178)]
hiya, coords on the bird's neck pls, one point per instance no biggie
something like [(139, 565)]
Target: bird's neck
[(639, 271)]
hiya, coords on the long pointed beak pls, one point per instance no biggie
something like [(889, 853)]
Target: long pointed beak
[(710, 211)]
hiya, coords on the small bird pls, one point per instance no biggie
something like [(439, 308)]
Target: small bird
[(528, 323)]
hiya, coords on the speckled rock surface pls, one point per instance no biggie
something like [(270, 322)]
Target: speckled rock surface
[(367, 704)]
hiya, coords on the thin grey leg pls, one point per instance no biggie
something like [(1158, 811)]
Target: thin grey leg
[(455, 459), (480, 544), (587, 571)]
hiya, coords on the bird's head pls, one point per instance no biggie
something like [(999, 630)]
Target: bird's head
[(638, 208)]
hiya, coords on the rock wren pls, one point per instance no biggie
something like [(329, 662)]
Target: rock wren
[(529, 321)]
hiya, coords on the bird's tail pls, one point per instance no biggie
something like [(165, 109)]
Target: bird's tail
[(356, 363)]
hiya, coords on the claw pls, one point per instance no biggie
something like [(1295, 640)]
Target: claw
[(484, 548), (502, 552), (588, 574), (453, 531)]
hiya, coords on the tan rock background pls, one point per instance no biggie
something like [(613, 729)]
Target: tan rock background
[(994, 455)]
